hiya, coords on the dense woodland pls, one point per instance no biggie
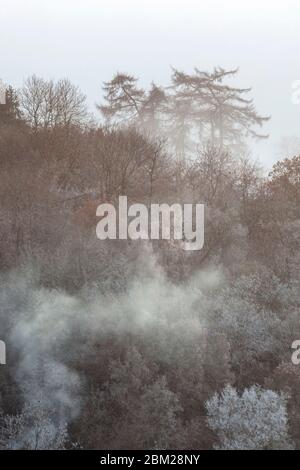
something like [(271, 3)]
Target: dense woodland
[(139, 344)]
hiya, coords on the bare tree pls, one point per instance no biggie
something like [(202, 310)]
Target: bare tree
[(48, 104)]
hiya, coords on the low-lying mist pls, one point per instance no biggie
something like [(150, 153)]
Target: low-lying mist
[(49, 333)]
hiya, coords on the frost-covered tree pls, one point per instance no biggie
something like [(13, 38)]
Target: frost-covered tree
[(32, 429), (254, 419)]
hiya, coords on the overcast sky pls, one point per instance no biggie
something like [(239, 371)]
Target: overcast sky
[(89, 40)]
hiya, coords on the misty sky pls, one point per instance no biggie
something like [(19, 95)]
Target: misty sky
[(89, 40)]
